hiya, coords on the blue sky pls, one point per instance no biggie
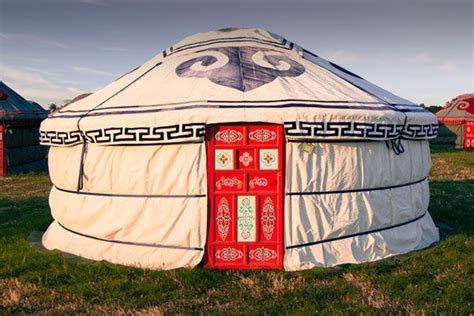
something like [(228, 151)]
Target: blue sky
[(52, 50)]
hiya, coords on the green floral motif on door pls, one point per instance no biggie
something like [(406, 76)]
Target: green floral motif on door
[(246, 218)]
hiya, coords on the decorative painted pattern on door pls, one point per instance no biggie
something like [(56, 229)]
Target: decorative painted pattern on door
[(245, 185)]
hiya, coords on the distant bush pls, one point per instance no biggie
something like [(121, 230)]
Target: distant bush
[(432, 108)]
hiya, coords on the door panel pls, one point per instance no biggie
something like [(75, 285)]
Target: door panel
[(224, 218), (229, 182), (263, 254), (229, 254), (247, 159), (263, 182), (246, 218), (268, 218), (268, 159), (224, 159), (245, 179), (229, 135), (267, 135)]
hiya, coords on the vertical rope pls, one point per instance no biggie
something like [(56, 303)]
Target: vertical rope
[(80, 179), (396, 143)]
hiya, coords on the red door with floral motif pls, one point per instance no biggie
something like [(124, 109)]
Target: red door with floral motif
[(245, 185)]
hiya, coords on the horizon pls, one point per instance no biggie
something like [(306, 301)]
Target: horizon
[(53, 50)]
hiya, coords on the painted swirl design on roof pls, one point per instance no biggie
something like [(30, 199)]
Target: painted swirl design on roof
[(466, 105), (240, 68)]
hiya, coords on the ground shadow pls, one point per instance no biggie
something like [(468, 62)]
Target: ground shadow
[(452, 206)]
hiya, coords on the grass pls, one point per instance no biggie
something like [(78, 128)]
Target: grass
[(435, 280)]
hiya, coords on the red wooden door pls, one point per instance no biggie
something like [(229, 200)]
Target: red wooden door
[(245, 185)]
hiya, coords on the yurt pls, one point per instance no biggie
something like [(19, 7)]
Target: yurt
[(457, 118), (20, 119), (238, 149)]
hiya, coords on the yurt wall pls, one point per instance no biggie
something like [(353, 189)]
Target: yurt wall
[(450, 134), (21, 149), (3, 164)]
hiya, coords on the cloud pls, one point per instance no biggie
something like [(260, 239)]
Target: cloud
[(34, 86), (387, 59), (43, 72), (92, 71), (74, 91), (445, 65), (73, 82), (100, 3), (30, 40), (422, 57), (114, 49), (25, 76), (27, 59), (342, 57), (448, 66), (433, 98)]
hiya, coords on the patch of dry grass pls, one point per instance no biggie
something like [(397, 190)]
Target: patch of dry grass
[(19, 297), (24, 186), (24, 297), (453, 165), (371, 295)]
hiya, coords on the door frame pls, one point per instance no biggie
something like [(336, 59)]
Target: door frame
[(209, 254)]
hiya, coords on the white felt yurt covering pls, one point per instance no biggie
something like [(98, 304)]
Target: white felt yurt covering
[(128, 163)]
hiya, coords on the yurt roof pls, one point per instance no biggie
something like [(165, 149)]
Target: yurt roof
[(236, 75), (14, 107), (75, 99), (80, 97), (458, 110)]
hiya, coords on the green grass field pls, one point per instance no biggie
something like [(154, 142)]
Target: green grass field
[(435, 280)]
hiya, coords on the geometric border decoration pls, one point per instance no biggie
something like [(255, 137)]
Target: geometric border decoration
[(195, 132)]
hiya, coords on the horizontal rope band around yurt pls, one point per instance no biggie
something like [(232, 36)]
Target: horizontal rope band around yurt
[(132, 195), (314, 243), (228, 104), (142, 109), (204, 195), (129, 243), (358, 190)]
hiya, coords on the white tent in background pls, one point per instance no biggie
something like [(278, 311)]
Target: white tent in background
[(239, 149)]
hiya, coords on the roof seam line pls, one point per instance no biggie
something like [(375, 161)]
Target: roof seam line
[(351, 83), (115, 94)]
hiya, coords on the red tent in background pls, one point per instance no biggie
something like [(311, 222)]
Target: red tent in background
[(458, 117), (19, 133)]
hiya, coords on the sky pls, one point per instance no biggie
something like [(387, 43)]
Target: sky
[(53, 50)]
